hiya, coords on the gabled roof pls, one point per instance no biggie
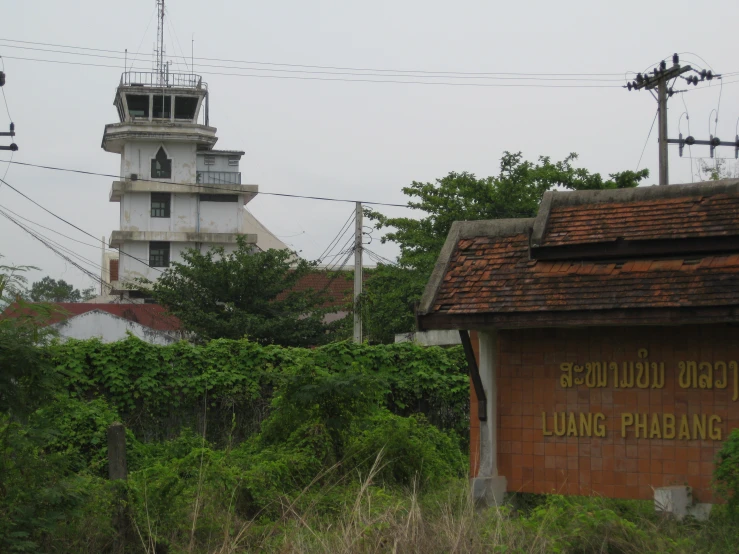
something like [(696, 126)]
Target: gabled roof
[(645, 255)]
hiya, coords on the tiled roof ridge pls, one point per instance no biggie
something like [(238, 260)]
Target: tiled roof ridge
[(466, 230), (553, 199)]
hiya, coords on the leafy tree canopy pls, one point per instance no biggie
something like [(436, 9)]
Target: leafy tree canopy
[(26, 377), (51, 290), (393, 291), (244, 294)]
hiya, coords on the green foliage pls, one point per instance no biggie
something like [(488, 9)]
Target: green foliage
[(51, 290), (244, 294), (718, 169), (26, 377), (726, 472), (330, 399), (78, 431), (41, 496), (232, 382), (582, 524), (392, 292), (412, 450)]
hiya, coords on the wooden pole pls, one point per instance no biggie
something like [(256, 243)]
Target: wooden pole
[(117, 471), (357, 273)]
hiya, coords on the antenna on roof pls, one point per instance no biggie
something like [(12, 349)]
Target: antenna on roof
[(160, 68)]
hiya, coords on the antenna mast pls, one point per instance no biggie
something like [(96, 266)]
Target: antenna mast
[(160, 69)]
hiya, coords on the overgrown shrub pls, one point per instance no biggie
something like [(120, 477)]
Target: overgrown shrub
[(159, 390), (726, 472), (412, 450)]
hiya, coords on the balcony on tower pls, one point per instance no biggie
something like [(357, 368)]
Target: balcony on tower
[(160, 107)]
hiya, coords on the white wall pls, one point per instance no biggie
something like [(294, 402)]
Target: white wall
[(222, 217), (109, 328), (136, 158), (215, 217), (136, 214), (130, 269)]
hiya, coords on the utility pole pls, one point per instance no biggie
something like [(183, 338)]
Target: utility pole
[(13, 146), (659, 80), (664, 168), (357, 272)]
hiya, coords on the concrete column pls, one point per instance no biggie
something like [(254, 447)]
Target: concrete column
[(488, 488)]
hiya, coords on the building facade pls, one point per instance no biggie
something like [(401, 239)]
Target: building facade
[(176, 191), (602, 337)]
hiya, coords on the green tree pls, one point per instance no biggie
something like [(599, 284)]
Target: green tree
[(51, 290), (392, 292), (26, 378), (244, 294), (719, 169)]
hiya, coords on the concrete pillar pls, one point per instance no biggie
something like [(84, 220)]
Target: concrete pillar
[(488, 488)]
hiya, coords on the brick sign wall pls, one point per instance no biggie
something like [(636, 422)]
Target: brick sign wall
[(614, 411)]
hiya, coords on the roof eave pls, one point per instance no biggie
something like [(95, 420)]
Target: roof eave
[(463, 230)]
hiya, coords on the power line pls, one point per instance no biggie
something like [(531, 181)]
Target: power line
[(357, 73), (205, 186), (305, 78), (121, 252), (378, 258), (45, 242), (338, 68), (646, 141), (48, 228), (338, 237), (151, 18)]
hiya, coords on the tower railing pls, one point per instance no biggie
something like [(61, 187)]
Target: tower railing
[(219, 177), (154, 79)]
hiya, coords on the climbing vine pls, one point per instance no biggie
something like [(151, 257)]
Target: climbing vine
[(158, 390)]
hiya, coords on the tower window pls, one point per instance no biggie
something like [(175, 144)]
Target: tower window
[(159, 254), (138, 105), (209, 160), (184, 107), (219, 198), (233, 160), (161, 167), (162, 107), (160, 202)]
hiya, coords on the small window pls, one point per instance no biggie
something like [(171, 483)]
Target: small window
[(233, 160), (185, 106), (209, 160), (160, 202), (159, 254), (138, 105), (219, 198), (162, 107), (161, 167)]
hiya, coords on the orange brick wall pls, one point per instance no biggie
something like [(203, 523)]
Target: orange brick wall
[(529, 384)]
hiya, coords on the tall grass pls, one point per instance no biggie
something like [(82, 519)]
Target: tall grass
[(363, 517)]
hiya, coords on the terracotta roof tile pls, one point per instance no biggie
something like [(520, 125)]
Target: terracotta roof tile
[(518, 286), (681, 217)]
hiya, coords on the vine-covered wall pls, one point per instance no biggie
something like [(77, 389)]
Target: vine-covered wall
[(158, 390)]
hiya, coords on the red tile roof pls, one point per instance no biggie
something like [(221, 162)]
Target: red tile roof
[(338, 286), (494, 274), (683, 217), (489, 268), (153, 316)]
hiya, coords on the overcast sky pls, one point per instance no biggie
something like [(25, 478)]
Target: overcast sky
[(356, 140)]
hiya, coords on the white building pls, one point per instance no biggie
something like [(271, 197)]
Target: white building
[(176, 191)]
